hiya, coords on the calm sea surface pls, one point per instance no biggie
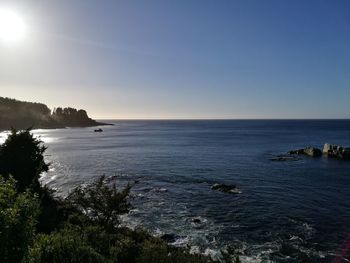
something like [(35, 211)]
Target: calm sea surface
[(294, 211)]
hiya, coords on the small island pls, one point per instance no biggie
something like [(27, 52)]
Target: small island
[(23, 115)]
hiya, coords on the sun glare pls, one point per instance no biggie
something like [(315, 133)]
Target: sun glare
[(12, 27)]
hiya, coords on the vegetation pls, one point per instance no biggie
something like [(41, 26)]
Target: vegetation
[(18, 219), (22, 115), (22, 148), (36, 227), (102, 203), (72, 117)]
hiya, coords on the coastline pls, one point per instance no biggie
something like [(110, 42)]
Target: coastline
[(59, 127), (69, 224)]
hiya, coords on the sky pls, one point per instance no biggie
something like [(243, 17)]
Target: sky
[(182, 59)]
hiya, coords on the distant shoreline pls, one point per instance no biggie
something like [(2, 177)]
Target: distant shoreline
[(60, 127), (22, 115)]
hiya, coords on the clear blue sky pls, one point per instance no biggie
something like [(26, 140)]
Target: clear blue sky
[(183, 59)]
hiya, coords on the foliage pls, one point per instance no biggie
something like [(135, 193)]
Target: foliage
[(54, 211), (22, 156), (18, 218), (71, 117), (22, 114), (92, 243), (159, 252), (101, 202), (64, 246)]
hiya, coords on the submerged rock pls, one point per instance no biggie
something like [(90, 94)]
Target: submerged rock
[(282, 158), (299, 151), (160, 190), (310, 151), (226, 188), (169, 238), (196, 221)]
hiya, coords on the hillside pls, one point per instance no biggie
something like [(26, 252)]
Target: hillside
[(23, 115)]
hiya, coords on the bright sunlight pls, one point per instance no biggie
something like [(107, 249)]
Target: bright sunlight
[(12, 27)]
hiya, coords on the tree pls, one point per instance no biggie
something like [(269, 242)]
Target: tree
[(101, 202), (66, 245), (22, 156), (18, 218), (58, 111)]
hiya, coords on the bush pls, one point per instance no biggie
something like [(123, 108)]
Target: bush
[(101, 202), (18, 218), (157, 251), (65, 246), (22, 156)]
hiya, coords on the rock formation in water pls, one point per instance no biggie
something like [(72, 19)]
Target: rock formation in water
[(328, 149), (336, 151), (310, 151), (226, 188)]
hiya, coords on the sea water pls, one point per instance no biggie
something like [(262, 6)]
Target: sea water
[(289, 211)]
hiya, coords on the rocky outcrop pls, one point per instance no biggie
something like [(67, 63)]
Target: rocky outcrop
[(328, 150), (310, 151), (336, 151), (233, 189), (314, 152)]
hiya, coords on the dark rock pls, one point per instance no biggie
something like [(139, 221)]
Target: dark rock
[(300, 151), (282, 158), (314, 152), (169, 238), (226, 188), (196, 221), (310, 151)]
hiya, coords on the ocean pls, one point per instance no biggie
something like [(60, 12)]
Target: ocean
[(291, 211)]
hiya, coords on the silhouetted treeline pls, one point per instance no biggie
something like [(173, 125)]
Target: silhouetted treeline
[(72, 117), (22, 115)]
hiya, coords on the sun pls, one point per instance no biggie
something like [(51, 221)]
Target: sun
[(12, 27)]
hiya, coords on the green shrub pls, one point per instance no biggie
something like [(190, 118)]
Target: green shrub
[(157, 251), (18, 218), (101, 202), (66, 246), (22, 156)]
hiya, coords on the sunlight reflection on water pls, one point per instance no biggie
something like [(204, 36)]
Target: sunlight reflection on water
[(44, 136), (40, 133), (3, 136)]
